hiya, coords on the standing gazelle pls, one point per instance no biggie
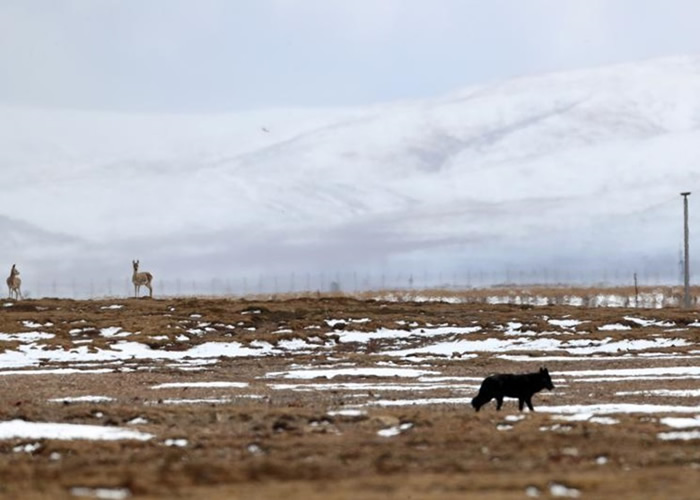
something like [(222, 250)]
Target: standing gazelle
[(139, 279), (14, 283)]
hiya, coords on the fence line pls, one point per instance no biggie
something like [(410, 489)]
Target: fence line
[(347, 281)]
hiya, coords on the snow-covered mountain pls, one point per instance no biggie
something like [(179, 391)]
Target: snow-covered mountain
[(577, 169)]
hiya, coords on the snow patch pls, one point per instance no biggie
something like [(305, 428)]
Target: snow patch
[(82, 399), (679, 435), (351, 372), (219, 385), (38, 430), (680, 422), (101, 493), (395, 431)]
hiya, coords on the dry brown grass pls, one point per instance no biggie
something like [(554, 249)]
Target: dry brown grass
[(302, 452)]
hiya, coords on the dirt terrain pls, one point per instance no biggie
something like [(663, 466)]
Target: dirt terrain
[(338, 398)]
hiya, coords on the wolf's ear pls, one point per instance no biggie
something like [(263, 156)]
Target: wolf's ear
[(543, 370)]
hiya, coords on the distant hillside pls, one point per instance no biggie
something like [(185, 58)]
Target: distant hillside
[(577, 169), (21, 238)]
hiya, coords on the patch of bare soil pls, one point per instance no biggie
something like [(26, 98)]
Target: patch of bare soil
[(290, 438)]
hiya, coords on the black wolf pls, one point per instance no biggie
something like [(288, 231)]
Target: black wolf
[(514, 386)]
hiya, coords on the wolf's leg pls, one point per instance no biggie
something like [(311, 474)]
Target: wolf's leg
[(499, 402), (529, 404), (521, 403)]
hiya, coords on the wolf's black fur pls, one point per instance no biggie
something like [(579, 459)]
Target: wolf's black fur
[(513, 386)]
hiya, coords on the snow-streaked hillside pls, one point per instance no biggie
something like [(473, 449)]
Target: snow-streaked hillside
[(578, 169)]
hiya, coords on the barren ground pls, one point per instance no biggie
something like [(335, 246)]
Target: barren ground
[(279, 432)]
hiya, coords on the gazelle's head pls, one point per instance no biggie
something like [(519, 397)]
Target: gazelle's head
[(135, 263), (14, 271)]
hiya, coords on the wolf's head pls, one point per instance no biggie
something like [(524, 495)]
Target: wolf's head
[(546, 380)]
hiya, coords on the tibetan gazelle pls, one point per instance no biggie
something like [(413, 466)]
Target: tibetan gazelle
[(139, 279), (14, 283)]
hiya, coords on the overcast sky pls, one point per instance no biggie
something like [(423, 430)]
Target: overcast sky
[(223, 55)]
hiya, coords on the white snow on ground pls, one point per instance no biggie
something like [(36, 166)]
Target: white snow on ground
[(587, 417), (612, 408), (638, 377), (27, 448), (25, 337), (31, 324), (679, 435), (181, 442), (581, 412), (347, 412), (333, 322), (38, 430), (29, 355), (295, 345), (360, 386), (137, 421), (55, 371), (576, 346), (565, 323), (395, 431), (456, 379), (101, 493), (626, 357), (562, 491), (690, 393), (681, 422), (614, 326), (420, 402), (634, 372), (352, 372), (113, 331), (650, 322), (533, 300), (646, 300), (82, 399), (219, 385), (404, 297), (387, 333), (195, 401), (603, 420)]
